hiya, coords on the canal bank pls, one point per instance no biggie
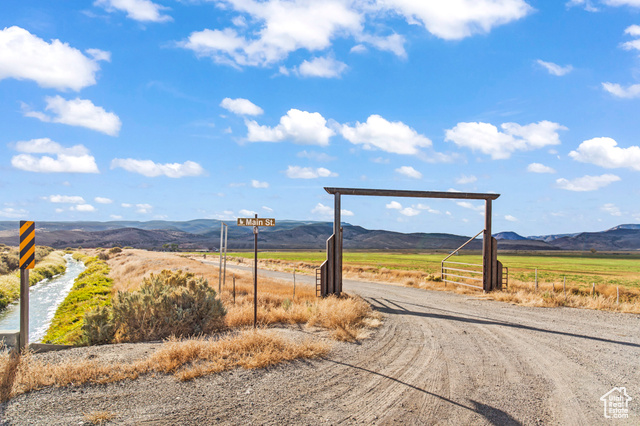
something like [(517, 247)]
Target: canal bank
[(44, 299)]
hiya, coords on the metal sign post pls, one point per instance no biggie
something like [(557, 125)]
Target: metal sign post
[(255, 222), (27, 261), (224, 231)]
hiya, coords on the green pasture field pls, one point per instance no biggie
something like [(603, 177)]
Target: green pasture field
[(582, 268)]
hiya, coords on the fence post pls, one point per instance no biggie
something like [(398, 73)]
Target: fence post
[(224, 277), (234, 289), (536, 279), (593, 289)]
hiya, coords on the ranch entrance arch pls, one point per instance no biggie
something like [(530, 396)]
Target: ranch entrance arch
[(329, 276)]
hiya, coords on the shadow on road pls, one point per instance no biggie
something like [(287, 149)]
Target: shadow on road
[(493, 415), (400, 310)]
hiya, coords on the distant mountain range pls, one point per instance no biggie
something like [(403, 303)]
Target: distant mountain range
[(305, 235)]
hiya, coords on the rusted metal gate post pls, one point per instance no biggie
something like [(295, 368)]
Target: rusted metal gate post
[(487, 249), (337, 243)]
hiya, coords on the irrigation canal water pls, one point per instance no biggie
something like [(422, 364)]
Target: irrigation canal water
[(44, 299)]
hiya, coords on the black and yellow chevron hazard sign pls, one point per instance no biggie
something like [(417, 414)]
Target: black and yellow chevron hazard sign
[(27, 244)]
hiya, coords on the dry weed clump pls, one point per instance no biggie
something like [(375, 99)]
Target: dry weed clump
[(552, 295), (184, 359), (99, 417)]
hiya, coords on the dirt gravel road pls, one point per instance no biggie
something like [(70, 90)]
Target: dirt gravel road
[(439, 358)]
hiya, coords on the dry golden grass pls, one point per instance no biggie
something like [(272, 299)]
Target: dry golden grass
[(521, 293), (185, 360), (348, 317), (99, 417), (551, 295)]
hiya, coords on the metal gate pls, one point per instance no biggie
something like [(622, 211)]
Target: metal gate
[(466, 274)]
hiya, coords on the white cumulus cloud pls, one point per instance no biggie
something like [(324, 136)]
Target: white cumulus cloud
[(282, 28), (378, 133), (315, 156), (247, 213), (151, 169), (586, 183), (464, 179), (427, 208), (457, 19), (629, 92), (322, 210), (297, 172), (103, 200), (470, 206), (143, 208), (612, 209), (409, 211), (539, 168), (241, 106), (394, 205), (301, 127), (75, 159), (605, 152), (12, 213), (83, 208), (139, 10), (633, 30), (555, 69), (323, 67), (631, 3), (631, 45), (56, 65), (78, 112), (486, 138), (65, 199), (409, 171), (258, 184), (510, 218)]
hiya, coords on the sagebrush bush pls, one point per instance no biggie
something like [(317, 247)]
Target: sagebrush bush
[(166, 304), (103, 255), (98, 327)]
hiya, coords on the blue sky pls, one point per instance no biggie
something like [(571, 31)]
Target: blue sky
[(184, 109)]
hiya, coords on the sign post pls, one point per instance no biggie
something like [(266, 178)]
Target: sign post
[(255, 222), (27, 261), (224, 232)]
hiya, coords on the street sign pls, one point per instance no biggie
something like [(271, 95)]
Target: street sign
[(27, 261), (257, 221), (27, 244)]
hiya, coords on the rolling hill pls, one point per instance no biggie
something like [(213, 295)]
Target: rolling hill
[(304, 235)]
